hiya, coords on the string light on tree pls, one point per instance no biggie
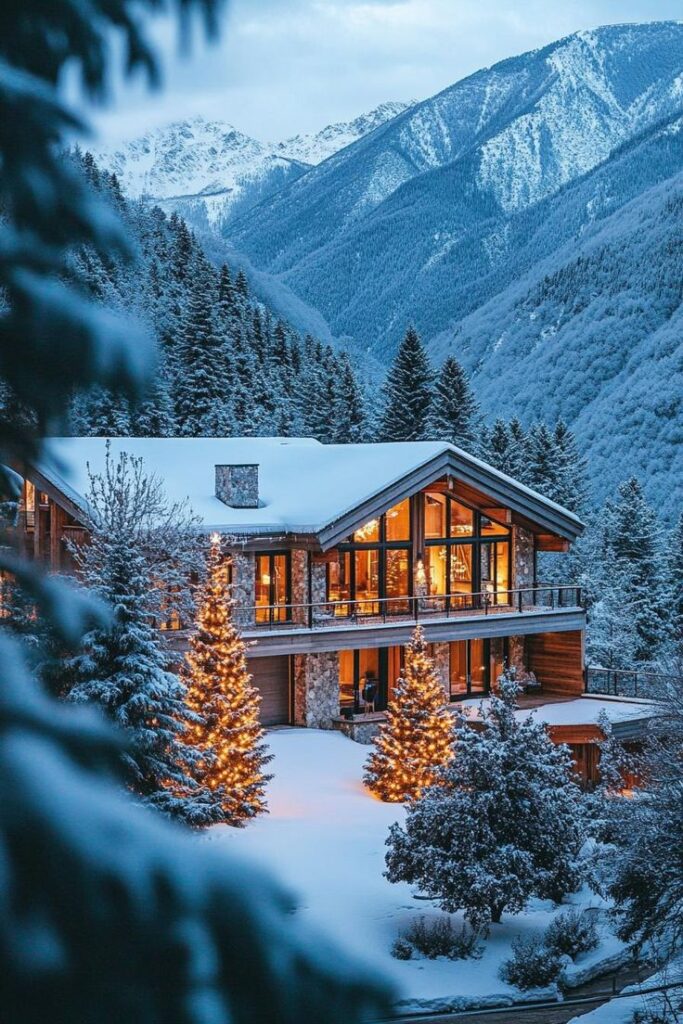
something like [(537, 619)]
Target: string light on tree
[(227, 730), (416, 740)]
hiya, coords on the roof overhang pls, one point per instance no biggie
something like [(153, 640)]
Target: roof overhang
[(528, 507)]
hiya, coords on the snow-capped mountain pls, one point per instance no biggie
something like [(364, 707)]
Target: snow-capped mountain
[(209, 170), (382, 232), (314, 148)]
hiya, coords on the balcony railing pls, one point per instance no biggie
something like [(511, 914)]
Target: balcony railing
[(617, 682), (370, 611)]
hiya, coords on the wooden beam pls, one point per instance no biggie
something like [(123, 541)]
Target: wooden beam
[(549, 542), (57, 520)]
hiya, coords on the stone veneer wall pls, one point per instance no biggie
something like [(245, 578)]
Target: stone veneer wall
[(442, 663), (316, 689), (300, 586), (523, 558), (243, 587), (517, 653), (318, 589)]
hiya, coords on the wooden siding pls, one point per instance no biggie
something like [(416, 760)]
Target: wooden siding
[(271, 676), (557, 661)]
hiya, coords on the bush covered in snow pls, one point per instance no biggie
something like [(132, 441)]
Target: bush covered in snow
[(532, 964), (506, 824), (572, 932), (439, 937), (401, 949)]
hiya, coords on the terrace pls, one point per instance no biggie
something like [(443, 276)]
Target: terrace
[(329, 625)]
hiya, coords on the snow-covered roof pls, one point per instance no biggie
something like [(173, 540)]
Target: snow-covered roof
[(585, 710), (304, 486)]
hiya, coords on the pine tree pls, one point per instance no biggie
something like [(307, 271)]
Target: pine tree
[(201, 376), (135, 553), (674, 573), (416, 741), (542, 461), (453, 412), (634, 567), (349, 410), (407, 393), (505, 824), (497, 449), (517, 460), (571, 490), (225, 705)]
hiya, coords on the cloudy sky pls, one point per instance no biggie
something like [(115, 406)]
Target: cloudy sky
[(288, 66)]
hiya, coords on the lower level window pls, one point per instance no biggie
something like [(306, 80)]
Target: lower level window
[(273, 587)]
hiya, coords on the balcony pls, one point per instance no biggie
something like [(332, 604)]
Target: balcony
[(629, 684), (376, 622)]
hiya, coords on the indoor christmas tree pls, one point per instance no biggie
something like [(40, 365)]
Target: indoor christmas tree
[(416, 740), (226, 705)]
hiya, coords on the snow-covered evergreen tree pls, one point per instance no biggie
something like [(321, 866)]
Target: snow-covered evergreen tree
[(453, 412), (504, 824), (571, 489), (542, 470), (416, 741), (635, 567), (349, 408), (139, 549), (407, 393)]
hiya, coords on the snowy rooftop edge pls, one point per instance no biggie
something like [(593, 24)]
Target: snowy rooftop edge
[(305, 485)]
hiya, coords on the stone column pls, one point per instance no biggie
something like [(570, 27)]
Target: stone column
[(300, 586), (318, 590), (243, 587), (517, 654), (442, 663), (316, 689), (523, 561)]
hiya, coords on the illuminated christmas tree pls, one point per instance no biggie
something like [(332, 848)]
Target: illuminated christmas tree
[(219, 693), (417, 738)]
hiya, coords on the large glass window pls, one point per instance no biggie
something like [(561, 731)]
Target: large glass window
[(467, 556), (397, 522), (272, 590), (469, 668), (362, 678), (373, 573)]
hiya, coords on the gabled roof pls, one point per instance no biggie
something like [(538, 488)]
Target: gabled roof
[(305, 487)]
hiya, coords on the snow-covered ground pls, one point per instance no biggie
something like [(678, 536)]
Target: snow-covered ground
[(641, 999), (325, 837)]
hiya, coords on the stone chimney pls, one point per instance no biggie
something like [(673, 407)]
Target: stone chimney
[(237, 486)]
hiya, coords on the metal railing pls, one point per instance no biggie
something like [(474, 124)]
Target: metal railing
[(412, 608), (618, 682)]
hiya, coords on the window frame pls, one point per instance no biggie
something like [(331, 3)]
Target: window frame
[(273, 607), (476, 542)]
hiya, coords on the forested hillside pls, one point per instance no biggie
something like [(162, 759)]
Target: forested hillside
[(227, 364), (409, 222)]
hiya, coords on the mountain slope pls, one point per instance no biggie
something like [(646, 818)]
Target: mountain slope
[(396, 225), (211, 172), (593, 333)]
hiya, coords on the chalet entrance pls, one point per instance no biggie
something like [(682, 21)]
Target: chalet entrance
[(474, 665), (271, 677), (367, 677)]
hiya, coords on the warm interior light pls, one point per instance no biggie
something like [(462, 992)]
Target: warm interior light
[(265, 579)]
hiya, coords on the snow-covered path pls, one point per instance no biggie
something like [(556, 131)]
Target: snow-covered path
[(325, 838)]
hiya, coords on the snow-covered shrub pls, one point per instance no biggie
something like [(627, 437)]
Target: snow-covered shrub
[(438, 937), (505, 824), (571, 932), (401, 949), (532, 964)]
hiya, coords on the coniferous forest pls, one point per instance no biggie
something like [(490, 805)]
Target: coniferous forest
[(230, 366)]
